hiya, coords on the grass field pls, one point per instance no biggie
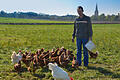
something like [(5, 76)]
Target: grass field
[(29, 37), (21, 20)]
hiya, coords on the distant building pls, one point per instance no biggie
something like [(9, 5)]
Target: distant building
[(96, 14), (119, 16)]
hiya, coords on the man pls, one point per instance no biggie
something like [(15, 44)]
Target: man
[(83, 33)]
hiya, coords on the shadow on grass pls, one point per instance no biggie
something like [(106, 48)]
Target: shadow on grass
[(39, 75), (45, 69), (21, 71), (70, 69), (105, 71)]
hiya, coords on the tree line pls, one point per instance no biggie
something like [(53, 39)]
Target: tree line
[(33, 15), (102, 17)]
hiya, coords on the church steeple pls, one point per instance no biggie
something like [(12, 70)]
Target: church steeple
[(96, 11)]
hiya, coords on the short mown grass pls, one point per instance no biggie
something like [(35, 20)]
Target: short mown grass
[(22, 20)]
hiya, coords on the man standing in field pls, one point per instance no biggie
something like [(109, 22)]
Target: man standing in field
[(83, 33)]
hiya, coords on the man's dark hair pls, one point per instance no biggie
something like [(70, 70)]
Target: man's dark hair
[(80, 7)]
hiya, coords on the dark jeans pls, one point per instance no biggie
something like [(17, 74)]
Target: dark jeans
[(81, 42)]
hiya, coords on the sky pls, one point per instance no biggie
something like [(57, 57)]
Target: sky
[(61, 7)]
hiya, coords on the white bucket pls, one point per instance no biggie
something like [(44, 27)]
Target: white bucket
[(90, 45)]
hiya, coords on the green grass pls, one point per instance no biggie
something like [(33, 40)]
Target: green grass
[(32, 37), (20, 20)]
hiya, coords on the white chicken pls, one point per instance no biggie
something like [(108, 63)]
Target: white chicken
[(57, 72), (15, 58)]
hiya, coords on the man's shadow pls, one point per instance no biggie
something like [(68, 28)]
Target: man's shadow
[(71, 70), (105, 71)]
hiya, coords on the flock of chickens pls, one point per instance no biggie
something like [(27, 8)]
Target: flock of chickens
[(42, 58)]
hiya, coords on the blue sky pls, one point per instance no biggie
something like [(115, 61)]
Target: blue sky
[(61, 7)]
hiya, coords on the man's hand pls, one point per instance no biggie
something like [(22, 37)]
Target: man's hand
[(90, 38), (72, 39)]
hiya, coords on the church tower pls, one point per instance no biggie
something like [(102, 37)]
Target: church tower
[(96, 11)]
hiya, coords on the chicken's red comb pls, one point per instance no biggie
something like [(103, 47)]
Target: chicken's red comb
[(20, 51), (71, 78)]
